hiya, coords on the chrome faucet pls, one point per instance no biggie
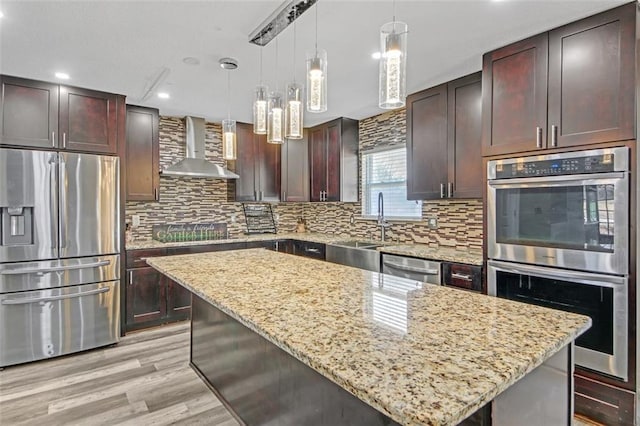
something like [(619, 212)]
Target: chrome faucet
[(382, 223)]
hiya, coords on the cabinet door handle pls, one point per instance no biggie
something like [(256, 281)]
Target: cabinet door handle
[(53, 138), (554, 135), (461, 276), (64, 139), (130, 277), (155, 194), (442, 190), (539, 137), (284, 196), (450, 189), (261, 195)]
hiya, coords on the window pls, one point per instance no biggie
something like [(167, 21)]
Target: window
[(386, 171)]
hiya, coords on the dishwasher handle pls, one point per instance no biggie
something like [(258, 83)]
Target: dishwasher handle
[(408, 268)]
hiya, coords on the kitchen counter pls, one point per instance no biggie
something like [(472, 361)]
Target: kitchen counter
[(313, 237), (444, 353), (448, 254), (443, 253)]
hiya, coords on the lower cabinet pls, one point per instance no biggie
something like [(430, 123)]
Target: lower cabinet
[(460, 275), (154, 299)]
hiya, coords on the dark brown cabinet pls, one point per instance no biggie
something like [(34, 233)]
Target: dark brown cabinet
[(45, 115), (151, 297), (258, 165), (333, 161), (142, 154), (571, 86), (460, 275), (29, 113), (295, 170), (146, 297), (444, 128)]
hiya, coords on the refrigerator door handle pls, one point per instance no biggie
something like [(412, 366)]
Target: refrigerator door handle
[(54, 298), (54, 268), (63, 203), (53, 201)]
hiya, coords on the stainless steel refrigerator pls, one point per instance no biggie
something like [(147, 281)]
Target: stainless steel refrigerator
[(59, 253)]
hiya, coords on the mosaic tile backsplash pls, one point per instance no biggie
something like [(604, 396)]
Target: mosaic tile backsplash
[(189, 200)]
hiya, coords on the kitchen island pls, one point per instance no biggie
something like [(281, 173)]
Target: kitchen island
[(416, 353)]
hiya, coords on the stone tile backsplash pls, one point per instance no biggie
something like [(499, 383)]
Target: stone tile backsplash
[(188, 200)]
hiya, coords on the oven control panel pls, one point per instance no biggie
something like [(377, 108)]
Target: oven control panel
[(532, 167)]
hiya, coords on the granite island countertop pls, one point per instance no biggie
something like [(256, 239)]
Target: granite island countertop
[(443, 253), (442, 355)]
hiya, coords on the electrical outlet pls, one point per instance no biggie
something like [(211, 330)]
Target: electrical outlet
[(432, 222), (135, 220)]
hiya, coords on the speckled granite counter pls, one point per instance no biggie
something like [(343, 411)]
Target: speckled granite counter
[(444, 354), (449, 254), (316, 238)]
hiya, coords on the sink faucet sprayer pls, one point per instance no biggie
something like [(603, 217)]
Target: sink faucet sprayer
[(382, 223)]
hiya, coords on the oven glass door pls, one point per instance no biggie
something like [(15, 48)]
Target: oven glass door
[(603, 298), (567, 221)]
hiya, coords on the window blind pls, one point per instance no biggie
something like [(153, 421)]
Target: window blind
[(386, 171)]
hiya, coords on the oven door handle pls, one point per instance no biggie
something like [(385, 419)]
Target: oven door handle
[(594, 179), (557, 274)]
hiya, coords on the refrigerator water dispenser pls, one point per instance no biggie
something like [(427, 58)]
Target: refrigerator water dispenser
[(17, 226)]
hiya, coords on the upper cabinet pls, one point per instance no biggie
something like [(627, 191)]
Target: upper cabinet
[(45, 115), (571, 86), (142, 154), (333, 161), (295, 170), (258, 165), (444, 127)]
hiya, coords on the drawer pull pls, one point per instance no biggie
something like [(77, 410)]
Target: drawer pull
[(461, 276)]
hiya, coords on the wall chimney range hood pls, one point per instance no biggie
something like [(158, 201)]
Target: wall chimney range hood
[(195, 165)]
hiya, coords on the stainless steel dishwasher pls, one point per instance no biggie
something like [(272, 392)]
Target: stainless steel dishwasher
[(408, 267)]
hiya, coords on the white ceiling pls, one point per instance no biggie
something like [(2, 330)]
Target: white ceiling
[(120, 46)]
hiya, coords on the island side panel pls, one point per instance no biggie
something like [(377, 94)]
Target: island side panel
[(262, 383), (544, 396)]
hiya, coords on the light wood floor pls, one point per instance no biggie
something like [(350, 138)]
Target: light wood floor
[(144, 380)]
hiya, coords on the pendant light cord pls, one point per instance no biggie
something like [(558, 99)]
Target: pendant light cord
[(228, 95), (261, 48), (276, 40), (294, 52), (317, 29), (394, 12)]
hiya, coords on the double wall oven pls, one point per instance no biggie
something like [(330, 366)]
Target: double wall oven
[(558, 236)]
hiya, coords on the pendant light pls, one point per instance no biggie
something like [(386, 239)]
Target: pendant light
[(317, 77), (294, 109), (228, 125), (275, 112), (393, 63), (260, 104)]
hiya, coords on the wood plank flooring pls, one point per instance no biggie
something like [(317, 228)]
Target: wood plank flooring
[(143, 380)]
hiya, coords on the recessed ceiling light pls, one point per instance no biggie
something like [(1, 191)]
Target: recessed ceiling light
[(376, 55), (190, 60), (1, 14), (163, 95), (62, 76)]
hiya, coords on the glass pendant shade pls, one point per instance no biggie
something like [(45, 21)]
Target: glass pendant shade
[(260, 111), (275, 119), (229, 139), (294, 112), (317, 81), (393, 64)]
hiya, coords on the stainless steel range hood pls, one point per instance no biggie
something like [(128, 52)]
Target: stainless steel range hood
[(195, 165)]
